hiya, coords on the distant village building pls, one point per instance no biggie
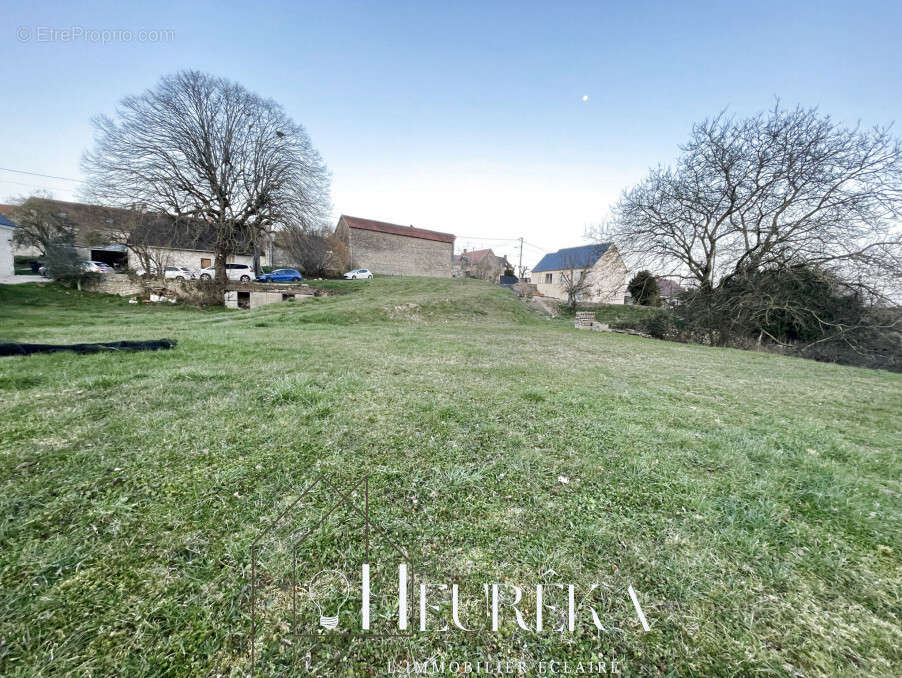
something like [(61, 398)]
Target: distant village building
[(482, 264), (600, 263), (127, 239), (392, 249), (668, 289)]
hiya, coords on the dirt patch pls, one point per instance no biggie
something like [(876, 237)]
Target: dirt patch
[(545, 306)]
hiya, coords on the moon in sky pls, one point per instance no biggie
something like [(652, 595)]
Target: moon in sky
[(585, 97)]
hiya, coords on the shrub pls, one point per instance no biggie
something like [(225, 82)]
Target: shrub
[(660, 325), (64, 264), (643, 288)]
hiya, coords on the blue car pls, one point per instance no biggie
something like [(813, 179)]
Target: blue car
[(281, 275)]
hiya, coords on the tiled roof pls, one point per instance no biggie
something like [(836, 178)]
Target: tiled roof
[(396, 229), (475, 256), (572, 257)]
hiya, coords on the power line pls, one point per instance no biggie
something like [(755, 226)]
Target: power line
[(38, 174), (482, 237), (541, 249), (17, 183)]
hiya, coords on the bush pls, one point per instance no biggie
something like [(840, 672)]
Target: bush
[(660, 325), (800, 310), (64, 264), (643, 288)]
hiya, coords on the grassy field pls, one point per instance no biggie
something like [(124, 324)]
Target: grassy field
[(753, 501)]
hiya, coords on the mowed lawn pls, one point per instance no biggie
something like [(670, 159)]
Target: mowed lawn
[(753, 502)]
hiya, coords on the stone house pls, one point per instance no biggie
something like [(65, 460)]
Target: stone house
[(392, 249), (482, 264), (600, 263), (126, 239)]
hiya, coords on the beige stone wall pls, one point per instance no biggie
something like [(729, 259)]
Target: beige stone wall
[(608, 281), (390, 254), (116, 283)]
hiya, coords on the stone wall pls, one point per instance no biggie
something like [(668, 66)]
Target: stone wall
[(391, 254), (116, 283), (189, 292)]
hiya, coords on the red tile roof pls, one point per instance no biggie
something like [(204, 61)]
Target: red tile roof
[(475, 256), (396, 229)]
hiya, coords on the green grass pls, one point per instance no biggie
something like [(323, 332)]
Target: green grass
[(753, 501), (623, 313)]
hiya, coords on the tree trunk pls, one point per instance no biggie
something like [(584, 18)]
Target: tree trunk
[(222, 253)]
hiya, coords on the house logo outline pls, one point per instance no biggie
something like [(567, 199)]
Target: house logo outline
[(344, 499)]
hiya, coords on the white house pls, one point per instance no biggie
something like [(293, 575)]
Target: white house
[(6, 246), (600, 264)]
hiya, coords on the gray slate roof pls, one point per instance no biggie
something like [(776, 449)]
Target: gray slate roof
[(572, 257), (6, 222)]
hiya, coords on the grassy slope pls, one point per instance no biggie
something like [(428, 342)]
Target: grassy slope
[(753, 501)]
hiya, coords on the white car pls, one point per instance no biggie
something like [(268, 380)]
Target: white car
[(240, 272), (173, 273), (358, 273), (96, 267)]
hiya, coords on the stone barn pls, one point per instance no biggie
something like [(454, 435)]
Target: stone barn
[(392, 249)]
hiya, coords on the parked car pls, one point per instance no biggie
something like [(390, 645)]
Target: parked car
[(173, 273), (358, 273), (86, 266), (97, 267), (281, 275), (241, 272)]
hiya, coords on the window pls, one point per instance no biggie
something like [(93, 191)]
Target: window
[(205, 263), (548, 278)]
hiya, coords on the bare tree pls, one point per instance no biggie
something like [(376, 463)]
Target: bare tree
[(314, 252), (779, 189), (203, 149), (576, 283), (42, 225)]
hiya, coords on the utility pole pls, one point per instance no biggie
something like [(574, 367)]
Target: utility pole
[(520, 264)]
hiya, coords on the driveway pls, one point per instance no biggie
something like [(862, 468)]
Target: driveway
[(19, 279)]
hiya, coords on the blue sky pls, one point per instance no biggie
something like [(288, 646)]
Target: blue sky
[(458, 116)]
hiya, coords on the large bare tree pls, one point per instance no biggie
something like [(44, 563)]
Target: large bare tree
[(200, 148), (784, 188)]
